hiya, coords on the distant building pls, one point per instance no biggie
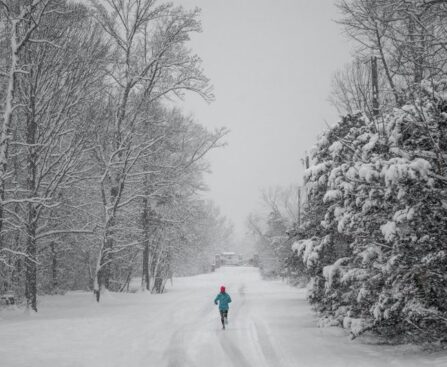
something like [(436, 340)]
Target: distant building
[(230, 258)]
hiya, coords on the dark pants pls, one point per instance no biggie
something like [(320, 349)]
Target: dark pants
[(223, 315)]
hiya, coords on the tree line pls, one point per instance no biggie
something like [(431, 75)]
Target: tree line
[(372, 237), (100, 171)]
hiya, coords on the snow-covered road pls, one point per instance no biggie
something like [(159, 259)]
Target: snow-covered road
[(271, 324)]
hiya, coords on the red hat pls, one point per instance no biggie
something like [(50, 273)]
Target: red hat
[(222, 289)]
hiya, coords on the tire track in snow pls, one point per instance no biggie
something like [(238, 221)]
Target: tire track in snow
[(260, 337), (176, 352), (266, 346), (176, 355), (234, 354)]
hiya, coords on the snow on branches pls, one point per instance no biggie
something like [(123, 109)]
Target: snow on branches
[(375, 232)]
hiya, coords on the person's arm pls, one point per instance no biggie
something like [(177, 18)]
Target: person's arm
[(216, 299), (229, 298)]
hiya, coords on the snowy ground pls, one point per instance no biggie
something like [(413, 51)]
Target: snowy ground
[(270, 325)]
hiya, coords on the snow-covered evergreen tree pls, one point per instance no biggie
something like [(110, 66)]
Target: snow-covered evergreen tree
[(376, 216)]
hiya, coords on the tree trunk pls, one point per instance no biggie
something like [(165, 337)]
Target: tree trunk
[(8, 115), (387, 70), (375, 86), (99, 281), (31, 246), (416, 47), (117, 180), (145, 280), (31, 225), (125, 286), (31, 264), (106, 266), (54, 284), (106, 258)]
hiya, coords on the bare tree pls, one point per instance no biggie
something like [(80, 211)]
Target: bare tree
[(98, 177), (407, 36), (177, 168), (150, 62), (62, 77), (351, 88), (367, 23)]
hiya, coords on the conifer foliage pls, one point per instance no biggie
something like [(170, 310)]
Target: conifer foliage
[(377, 216)]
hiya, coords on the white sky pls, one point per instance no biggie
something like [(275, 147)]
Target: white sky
[(270, 62)]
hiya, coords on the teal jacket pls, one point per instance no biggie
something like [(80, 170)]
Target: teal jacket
[(224, 299)]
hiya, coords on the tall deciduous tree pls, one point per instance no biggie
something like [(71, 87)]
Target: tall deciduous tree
[(98, 171), (64, 74), (150, 61)]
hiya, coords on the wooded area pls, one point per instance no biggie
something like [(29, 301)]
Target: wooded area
[(100, 171)]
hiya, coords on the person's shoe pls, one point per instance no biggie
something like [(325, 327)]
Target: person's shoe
[(223, 327)]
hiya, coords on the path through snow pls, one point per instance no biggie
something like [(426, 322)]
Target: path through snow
[(271, 325)]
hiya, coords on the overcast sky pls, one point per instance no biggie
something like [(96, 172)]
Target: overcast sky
[(270, 62)]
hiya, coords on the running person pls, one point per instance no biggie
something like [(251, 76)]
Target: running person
[(223, 299)]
